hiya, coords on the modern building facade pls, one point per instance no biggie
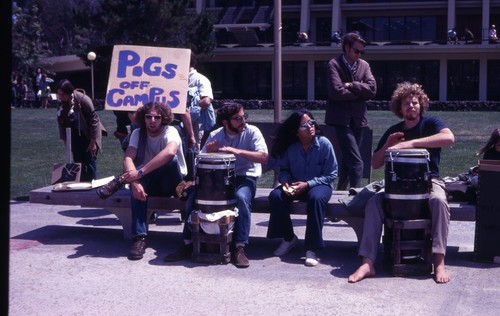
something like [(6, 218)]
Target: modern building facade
[(407, 40)]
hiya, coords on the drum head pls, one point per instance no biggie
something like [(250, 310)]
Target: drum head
[(215, 157), (412, 155), (410, 152)]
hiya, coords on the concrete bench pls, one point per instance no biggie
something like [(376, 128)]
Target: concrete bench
[(119, 205)]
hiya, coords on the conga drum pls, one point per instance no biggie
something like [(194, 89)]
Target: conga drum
[(215, 182), (407, 190), (407, 184)]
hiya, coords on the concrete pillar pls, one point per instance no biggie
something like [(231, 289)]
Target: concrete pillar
[(452, 14), (336, 16), (277, 82), (486, 22), (305, 16)]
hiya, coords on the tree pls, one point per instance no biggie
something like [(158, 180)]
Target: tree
[(28, 46), (155, 23), (149, 23)]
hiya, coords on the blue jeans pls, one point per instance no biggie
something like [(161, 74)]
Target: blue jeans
[(160, 182), (245, 188), (351, 165), (280, 222)]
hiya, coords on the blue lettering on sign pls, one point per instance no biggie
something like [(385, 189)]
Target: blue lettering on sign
[(151, 66), (121, 97), (125, 95)]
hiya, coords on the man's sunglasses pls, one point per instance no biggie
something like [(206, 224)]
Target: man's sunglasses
[(151, 116), (357, 51)]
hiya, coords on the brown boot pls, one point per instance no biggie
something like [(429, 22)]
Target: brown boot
[(239, 258), (138, 248)]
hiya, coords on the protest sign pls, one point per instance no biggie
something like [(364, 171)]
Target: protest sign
[(141, 74)]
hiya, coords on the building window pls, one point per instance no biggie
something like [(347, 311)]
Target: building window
[(294, 80), (320, 82), (493, 82), (395, 28), (323, 29), (463, 80), (389, 73), (291, 26), (250, 80)]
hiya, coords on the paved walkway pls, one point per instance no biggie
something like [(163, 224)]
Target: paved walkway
[(65, 260)]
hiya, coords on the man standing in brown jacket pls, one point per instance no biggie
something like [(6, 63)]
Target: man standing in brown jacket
[(350, 85)]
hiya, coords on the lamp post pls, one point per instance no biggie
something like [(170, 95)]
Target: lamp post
[(91, 56)]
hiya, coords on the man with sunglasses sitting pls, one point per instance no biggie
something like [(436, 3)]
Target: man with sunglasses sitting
[(154, 165), (246, 143), (350, 84)]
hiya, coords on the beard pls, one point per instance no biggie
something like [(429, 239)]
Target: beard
[(236, 130), (411, 116)]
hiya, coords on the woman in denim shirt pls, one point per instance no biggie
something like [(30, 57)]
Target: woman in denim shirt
[(307, 169)]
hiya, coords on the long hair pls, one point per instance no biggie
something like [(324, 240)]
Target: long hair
[(164, 110), (494, 139), (286, 133), (407, 89)]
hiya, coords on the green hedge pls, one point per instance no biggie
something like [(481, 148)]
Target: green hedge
[(372, 105)]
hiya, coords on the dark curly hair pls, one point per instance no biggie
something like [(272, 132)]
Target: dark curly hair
[(286, 134), (164, 110), (407, 89), (227, 110)]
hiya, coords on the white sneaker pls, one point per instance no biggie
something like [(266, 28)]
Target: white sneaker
[(286, 246), (311, 259)]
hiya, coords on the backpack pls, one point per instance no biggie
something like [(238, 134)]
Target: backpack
[(461, 188)]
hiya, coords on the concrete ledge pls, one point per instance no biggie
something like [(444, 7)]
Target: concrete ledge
[(119, 205)]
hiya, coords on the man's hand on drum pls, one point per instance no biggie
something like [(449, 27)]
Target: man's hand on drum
[(212, 147), (230, 150), (395, 139)]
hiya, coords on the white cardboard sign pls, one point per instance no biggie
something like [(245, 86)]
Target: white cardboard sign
[(141, 74)]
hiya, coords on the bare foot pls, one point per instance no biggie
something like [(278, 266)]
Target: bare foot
[(365, 270), (441, 276)]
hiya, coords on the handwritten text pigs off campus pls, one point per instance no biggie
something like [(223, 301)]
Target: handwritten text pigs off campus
[(134, 92)]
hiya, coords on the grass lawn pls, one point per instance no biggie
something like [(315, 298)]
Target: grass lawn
[(35, 144)]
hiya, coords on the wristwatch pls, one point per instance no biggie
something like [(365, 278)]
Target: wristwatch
[(140, 172)]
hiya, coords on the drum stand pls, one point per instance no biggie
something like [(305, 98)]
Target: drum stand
[(408, 246), (214, 249)]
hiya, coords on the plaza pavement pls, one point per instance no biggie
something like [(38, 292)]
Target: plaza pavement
[(65, 260)]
